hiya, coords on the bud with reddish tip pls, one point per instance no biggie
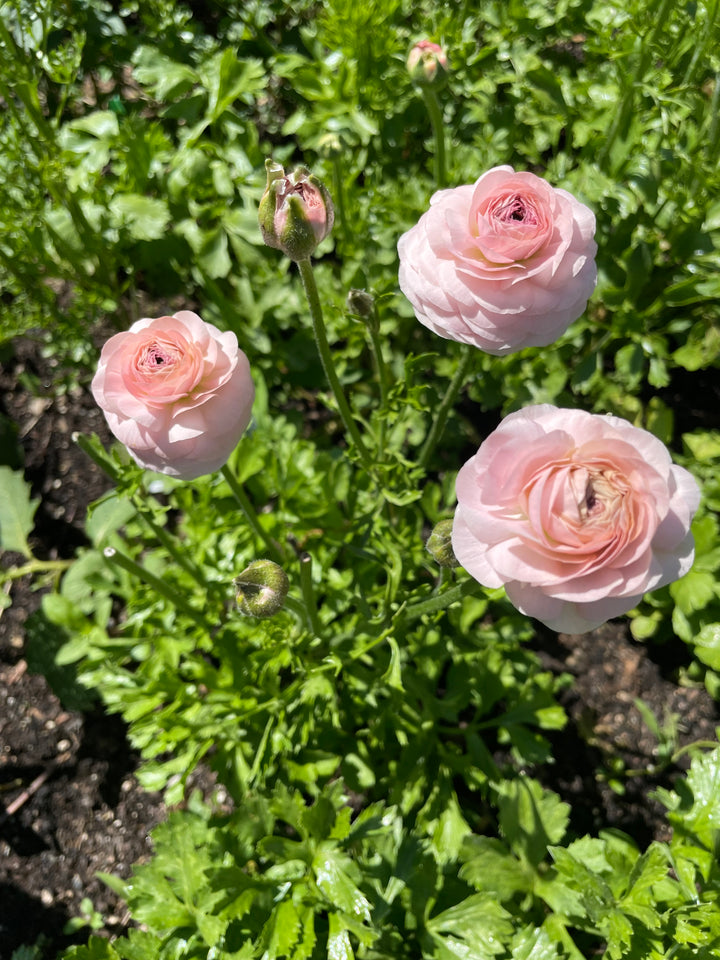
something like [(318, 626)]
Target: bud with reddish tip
[(426, 60), (439, 544), (296, 212), (261, 589)]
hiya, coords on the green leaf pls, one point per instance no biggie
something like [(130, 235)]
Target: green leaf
[(619, 934), (706, 645), (213, 255), (704, 445), (281, 931), (694, 591), (107, 517), (649, 870), (475, 929), (102, 124), (98, 948), (17, 511), (393, 675), (578, 890), (530, 818), (338, 944), (330, 866), (703, 817), (534, 944), (145, 218), (227, 79), (165, 78), (491, 868), (450, 831)]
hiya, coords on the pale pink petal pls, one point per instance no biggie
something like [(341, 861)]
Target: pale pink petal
[(502, 264), (577, 514), (177, 392)]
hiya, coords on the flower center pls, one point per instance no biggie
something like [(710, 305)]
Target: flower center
[(515, 208), (602, 497), (157, 356)]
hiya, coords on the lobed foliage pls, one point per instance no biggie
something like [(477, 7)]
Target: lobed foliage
[(382, 745)]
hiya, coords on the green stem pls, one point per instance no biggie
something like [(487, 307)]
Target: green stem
[(339, 197), (169, 542), (308, 592), (381, 371), (311, 292), (250, 515), (448, 400), (35, 566), (442, 600), (381, 637), (714, 125), (380, 365), (435, 114), (158, 585), (96, 454)]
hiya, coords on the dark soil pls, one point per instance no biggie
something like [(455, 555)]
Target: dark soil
[(70, 805), (607, 760)]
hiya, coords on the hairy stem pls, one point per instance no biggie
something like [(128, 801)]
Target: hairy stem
[(311, 292), (435, 114), (250, 515), (445, 407)]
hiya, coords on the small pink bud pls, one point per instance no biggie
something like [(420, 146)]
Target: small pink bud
[(426, 60), (296, 212)]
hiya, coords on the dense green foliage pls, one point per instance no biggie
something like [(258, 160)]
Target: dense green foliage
[(381, 738)]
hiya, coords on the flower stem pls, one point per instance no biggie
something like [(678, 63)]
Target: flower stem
[(311, 292), (93, 448), (308, 592), (159, 586), (435, 114), (380, 365), (441, 600), (381, 372), (448, 400), (144, 511), (339, 196), (250, 515)]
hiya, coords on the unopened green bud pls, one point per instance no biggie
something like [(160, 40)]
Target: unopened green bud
[(296, 212), (361, 303), (261, 589), (439, 544)]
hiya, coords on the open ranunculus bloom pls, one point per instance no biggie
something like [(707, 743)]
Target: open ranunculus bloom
[(502, 264), (577, 515), (177, 392)]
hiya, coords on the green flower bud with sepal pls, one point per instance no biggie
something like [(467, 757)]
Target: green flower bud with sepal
[(439, 544), (296, 211), (261, 589), (360, 303)]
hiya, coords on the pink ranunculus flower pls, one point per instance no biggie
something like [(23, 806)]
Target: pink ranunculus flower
[(177, 392), (502, 264), (576, 514)]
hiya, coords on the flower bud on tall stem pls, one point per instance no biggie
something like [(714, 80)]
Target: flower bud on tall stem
[(296, 212)]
